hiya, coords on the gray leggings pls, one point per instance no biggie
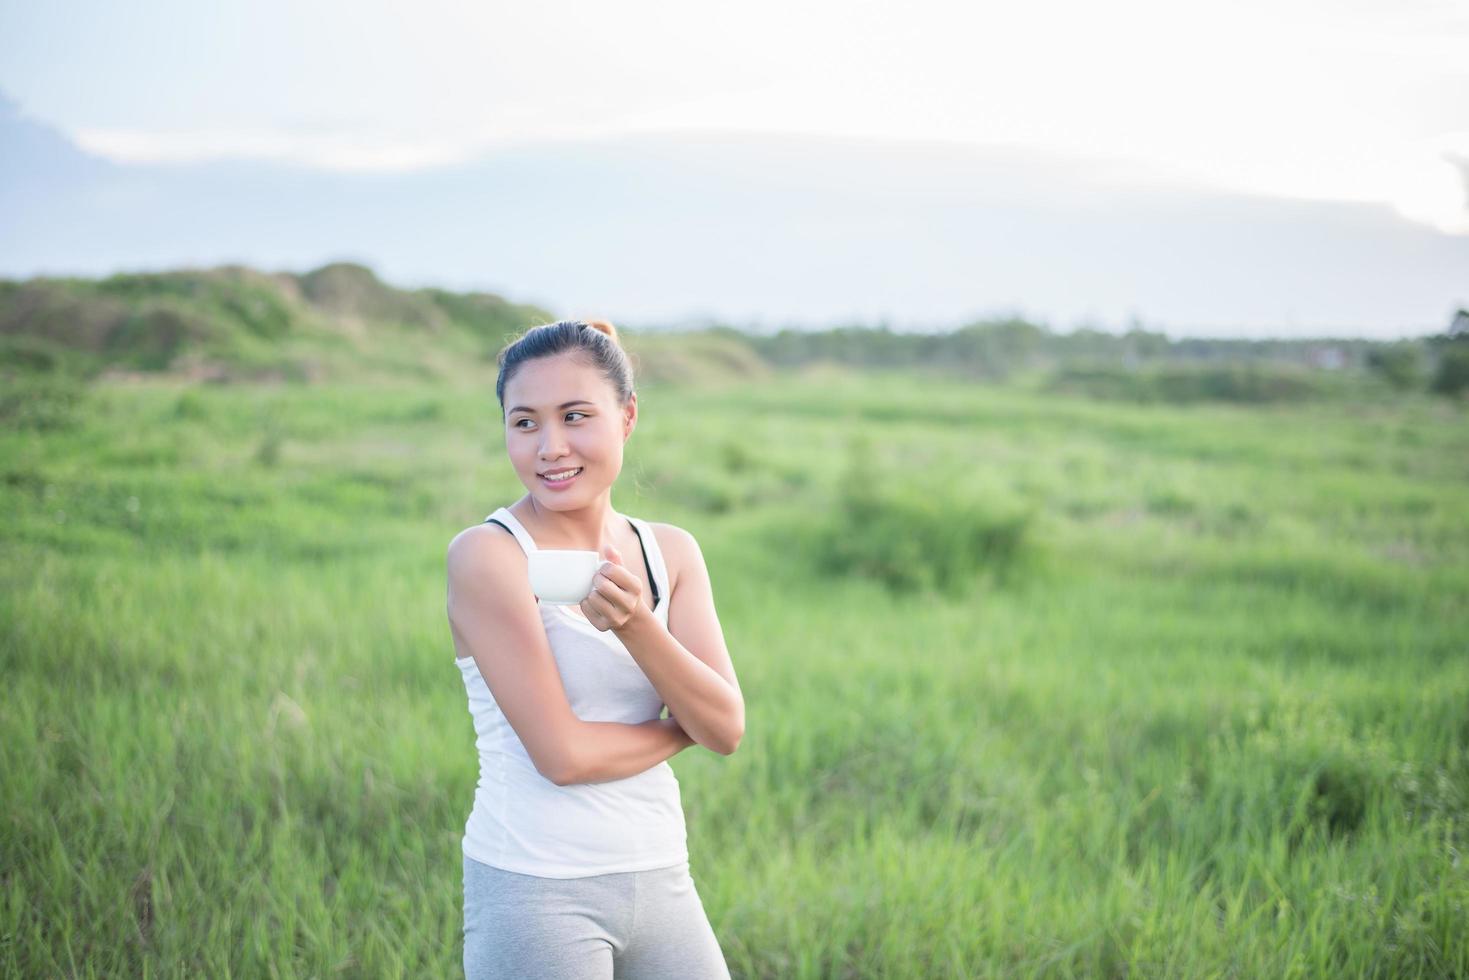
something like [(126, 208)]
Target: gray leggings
[(632, 924)]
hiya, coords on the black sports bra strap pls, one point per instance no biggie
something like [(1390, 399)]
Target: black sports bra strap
[(652, 579)]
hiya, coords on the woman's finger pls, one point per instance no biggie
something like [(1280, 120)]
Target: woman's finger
[(619, 576), (599, 603)]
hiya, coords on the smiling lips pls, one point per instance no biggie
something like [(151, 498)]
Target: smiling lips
[(575, 471)]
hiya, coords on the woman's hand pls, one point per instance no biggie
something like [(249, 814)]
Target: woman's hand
[(616, 598)]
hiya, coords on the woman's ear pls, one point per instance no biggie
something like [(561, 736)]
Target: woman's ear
[(629, 416)]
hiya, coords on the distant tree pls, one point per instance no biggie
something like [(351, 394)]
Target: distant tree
[(1399, 364), (1459, 326), (996, 347), (1452, 377)]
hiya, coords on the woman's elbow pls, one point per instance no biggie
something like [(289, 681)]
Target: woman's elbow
[(732, 742), (561, 768), (563, 776), (739, 729)]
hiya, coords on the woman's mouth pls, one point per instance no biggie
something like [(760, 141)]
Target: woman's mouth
[(566, 478)]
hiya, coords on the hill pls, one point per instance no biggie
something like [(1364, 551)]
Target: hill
[(238, 323), (341, 322)]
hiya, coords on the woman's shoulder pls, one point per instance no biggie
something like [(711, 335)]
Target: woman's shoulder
[(670, 535), (486, 541), (678, 546), (669, 532)]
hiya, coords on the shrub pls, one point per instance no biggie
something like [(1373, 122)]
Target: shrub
[(190, 406), (1452, 376), (228, 295), (917, 538), (152, 336), (25, 354), (42, 402), (1179, 383), (1400, 364)]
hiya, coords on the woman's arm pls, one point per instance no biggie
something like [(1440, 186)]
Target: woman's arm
[(493, 618), (606, 750), (687, 662)]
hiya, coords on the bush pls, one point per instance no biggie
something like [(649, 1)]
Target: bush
[(28, 354), (152, 336), (1452, 376), (916, 538), (191, 407), (1178, 383), (232, 294), (1400, 364), (43, 402)]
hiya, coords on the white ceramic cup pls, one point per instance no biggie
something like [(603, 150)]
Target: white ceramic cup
[(563, 576)]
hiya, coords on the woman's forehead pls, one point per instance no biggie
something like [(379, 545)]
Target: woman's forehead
[(554, 380)]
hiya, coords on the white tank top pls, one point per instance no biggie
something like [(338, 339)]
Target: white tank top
[(521, 821)]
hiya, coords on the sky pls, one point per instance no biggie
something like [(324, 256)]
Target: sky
[(1362, 101)]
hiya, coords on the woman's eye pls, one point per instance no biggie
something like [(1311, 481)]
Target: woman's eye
[(568, 415)]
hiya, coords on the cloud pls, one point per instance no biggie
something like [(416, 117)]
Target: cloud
[(1431, 183), (772, 230), (1308, 99)]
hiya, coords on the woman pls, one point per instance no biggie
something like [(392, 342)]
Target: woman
[(575, 858)]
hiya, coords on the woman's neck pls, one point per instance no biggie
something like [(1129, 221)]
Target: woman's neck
[(585, 528)]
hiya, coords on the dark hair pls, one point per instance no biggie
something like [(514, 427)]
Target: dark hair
[(594, 341)]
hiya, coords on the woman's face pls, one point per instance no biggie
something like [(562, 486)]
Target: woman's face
[(562, 414)]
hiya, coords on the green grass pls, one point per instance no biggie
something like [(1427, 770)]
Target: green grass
[(1196, 705)]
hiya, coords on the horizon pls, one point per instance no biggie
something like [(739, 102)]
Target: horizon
[(756, 329)]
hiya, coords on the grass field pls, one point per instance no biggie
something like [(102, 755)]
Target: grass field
[(1185, 694)]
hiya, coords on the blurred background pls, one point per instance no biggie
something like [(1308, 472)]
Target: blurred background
[(1070, 402)]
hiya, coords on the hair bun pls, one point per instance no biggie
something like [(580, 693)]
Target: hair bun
[(606, 328)]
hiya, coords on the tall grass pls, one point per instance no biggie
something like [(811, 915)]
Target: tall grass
[(1036, 686)]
